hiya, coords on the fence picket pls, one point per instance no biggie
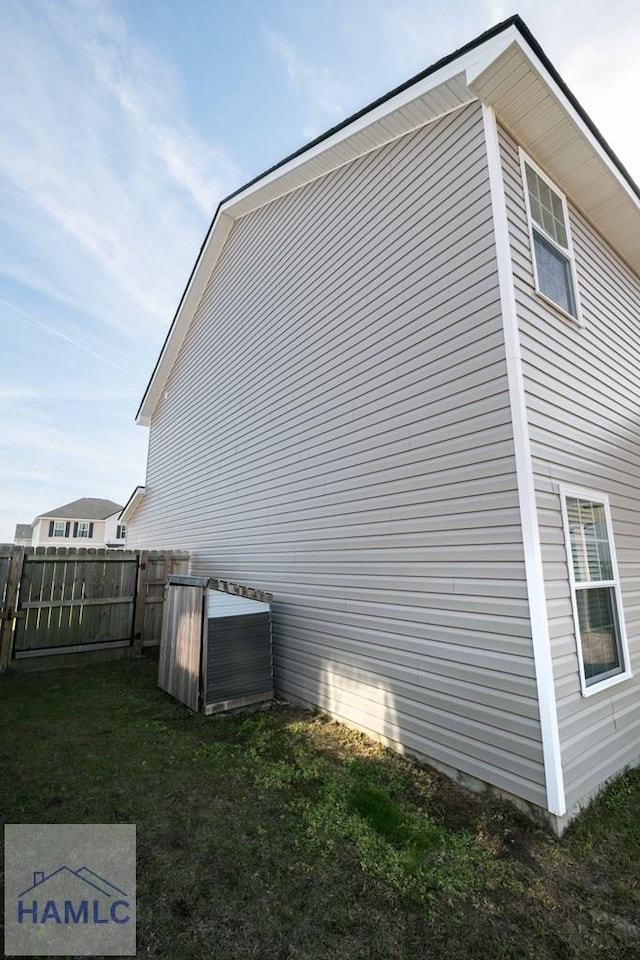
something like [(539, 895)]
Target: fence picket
[(7, 612)]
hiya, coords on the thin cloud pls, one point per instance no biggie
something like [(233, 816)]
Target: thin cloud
[(147, 93), (100, 155), (323, 93), (411, 34)]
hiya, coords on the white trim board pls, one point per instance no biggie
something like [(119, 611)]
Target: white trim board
[(556, 802)]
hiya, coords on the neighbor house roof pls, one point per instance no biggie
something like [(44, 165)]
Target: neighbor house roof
[(24, 531), (87, 508), (504, 68)]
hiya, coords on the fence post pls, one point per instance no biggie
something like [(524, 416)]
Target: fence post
[(11, 597), (141, 602)]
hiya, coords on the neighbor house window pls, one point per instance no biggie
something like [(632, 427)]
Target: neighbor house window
[(84, 529), (595, 588), (58, 528), (550, 240), (121, 531)]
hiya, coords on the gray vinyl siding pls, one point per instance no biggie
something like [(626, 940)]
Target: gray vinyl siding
[(583, 408), (336, 430)]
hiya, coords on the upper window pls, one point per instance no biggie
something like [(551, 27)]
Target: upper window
[(551, 241), (84, 528), (121, 531), (595, 588), (58, 528)]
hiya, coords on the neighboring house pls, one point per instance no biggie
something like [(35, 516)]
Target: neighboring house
[(89, 522), (23, 535), (401, 394)]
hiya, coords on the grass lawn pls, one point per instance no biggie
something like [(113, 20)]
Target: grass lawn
[(279, 834)]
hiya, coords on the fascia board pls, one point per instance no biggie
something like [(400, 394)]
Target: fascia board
[(209, 255), (132, 504)]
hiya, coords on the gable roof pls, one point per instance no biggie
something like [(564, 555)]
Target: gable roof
[(132, 504), (24, 531), (505, 68), (87, 508)]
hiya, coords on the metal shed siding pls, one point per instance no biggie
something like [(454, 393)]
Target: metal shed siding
[(337, 431), (584, 413), (238, 659)]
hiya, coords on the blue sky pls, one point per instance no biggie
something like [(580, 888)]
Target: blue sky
[(125, 121)]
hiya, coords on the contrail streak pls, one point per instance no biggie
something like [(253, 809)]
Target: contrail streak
[(63, 336)]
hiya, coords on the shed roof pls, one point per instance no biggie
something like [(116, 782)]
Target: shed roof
[(87, 508), (506, 69)]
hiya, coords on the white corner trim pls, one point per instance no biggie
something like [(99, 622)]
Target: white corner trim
[(556, 802)]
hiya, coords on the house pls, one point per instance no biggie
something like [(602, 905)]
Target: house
[(88, 522), (23, 535), (400, 393)]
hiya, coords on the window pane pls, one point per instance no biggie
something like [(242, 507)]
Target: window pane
[(590, 552), (554, 274), (546, 208), (599, 632)]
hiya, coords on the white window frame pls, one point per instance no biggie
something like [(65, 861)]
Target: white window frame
[(84, 529), (57, 532), (121, 531), (596, 686), (568, 251)]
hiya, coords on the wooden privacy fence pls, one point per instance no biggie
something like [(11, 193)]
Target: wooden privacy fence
[(57, 600)]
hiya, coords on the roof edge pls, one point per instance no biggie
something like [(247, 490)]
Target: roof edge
[(405, 85), (132, 503)]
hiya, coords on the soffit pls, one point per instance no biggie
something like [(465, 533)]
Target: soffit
[(538, 116)]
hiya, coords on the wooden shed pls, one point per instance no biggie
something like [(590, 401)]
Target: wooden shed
[(215, 652)]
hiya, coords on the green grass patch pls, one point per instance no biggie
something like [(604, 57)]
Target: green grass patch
[(280, 834)]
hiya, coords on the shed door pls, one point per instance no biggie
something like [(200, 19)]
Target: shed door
[(180, 647)]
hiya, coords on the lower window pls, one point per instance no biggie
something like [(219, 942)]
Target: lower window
[(595, 588)]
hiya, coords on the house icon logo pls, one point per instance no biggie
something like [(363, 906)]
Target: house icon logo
[(69, 896), (70, 889)]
